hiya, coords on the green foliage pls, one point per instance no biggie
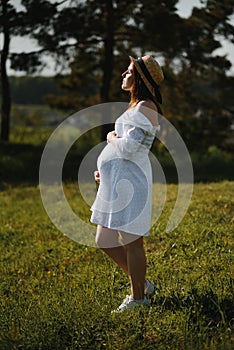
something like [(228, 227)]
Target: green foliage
[(20, 158), (32, 90), (94, 39), (29, 135), (196, 91), (200, 107), (57, 294)]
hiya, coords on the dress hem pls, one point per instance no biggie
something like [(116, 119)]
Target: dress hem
[(119, 229)]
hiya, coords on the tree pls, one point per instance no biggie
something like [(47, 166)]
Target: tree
[(201, 85), (161, 28), (95, 38), (5, 11), (99, 40), (105, 28), (111, 30), (22, 22)]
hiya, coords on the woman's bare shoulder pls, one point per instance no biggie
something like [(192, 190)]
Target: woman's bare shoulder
[(149, 104), (149, 109)]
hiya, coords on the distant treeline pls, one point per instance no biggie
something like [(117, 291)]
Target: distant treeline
[(32, 89)]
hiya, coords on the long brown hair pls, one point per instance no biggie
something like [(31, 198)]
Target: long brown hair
[(140, 92)]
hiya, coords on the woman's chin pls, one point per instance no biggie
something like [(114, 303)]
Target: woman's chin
[(125, 88)]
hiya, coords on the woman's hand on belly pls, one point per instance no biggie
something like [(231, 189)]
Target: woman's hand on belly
[(111, 137), (97, 176)]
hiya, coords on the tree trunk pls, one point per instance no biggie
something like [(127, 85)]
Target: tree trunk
[(108, 59), (5, 87)]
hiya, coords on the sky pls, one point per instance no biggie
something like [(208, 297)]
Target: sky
[(184, 10)]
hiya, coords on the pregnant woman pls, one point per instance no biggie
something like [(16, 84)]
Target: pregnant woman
[(122, 208)]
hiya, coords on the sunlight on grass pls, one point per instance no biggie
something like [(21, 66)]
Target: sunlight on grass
[(58, 294)]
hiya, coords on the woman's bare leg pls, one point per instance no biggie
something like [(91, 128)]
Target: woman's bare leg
[(136, 262), (129, 255), (108, 240)]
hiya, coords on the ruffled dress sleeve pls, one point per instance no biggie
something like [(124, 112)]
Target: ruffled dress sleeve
[(135, 132)]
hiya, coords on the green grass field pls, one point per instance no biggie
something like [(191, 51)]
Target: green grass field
[(58, 294)]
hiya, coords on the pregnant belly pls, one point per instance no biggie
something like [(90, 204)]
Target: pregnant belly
[(107, 154)]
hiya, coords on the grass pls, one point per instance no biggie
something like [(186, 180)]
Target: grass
[(57, 294)]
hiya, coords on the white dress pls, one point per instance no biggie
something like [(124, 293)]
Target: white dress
[(124, 197)]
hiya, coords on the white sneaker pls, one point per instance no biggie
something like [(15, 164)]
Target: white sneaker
[(149, 289), (130, 303)]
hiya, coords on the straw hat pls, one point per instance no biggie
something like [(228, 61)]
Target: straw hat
[(151, 74)]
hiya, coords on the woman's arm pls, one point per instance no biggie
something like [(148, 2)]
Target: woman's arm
[(129, 144)]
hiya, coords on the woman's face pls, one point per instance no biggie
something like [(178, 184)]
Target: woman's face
[(128, 78)]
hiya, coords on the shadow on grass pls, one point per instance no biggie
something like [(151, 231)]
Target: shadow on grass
[(206, 308), (19, 163)]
